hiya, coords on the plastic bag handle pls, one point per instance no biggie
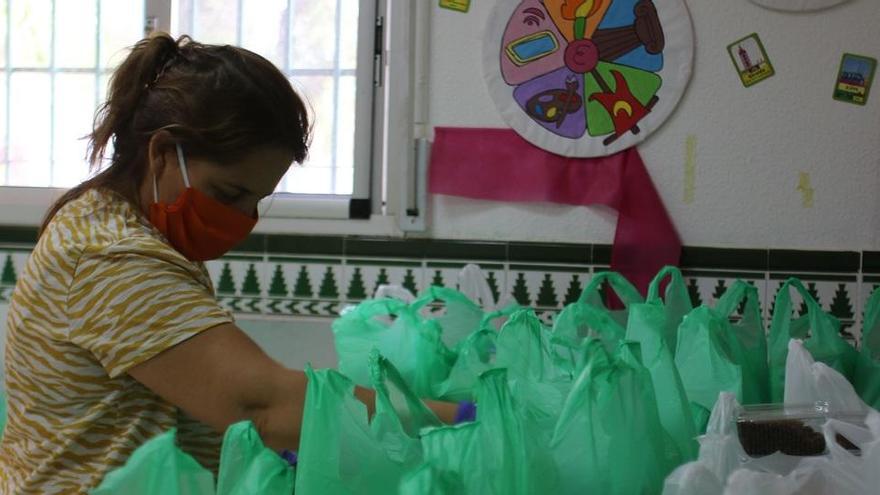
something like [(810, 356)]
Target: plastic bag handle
[(871, 326), (394, 292), (472, 283), (654, 288), (498, 313), (627, 293), (381, 370), (435, 292), (733, 296), (781, 317), (380, 307)]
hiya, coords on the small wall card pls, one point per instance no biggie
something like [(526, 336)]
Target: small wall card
[(854, 78), (751, 60), (456, 5)]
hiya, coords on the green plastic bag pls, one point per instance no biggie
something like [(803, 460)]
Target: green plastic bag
[(648, 324), (625, 291), (609, 439), (410, 342), (475, 355), (587, 318), (538, 377), (341, 452), (247, 466), (749, 331), (494, 455), (819, 330), (426, 480), (676, 302), (707, 358), (460, 316), (867, 373), (158, 467)]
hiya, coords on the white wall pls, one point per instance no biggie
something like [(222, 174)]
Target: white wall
[(752, 143)]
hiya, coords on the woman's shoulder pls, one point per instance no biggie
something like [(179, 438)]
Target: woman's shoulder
[(98, 218)]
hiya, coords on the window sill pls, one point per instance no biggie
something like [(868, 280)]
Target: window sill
[(26, 206)]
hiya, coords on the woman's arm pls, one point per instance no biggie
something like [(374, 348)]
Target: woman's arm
[(221, 377)]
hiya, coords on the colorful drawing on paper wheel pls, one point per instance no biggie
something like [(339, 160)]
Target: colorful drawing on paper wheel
[(587, 77), (751, 60), (854, 78)]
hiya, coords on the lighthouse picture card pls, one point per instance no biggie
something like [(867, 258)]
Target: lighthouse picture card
[(751, 60)]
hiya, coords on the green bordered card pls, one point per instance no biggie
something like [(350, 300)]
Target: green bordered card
[(751, 60), (854, 78), (456, 5)]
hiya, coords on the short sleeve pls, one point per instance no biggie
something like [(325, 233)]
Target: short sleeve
[(134, 299)]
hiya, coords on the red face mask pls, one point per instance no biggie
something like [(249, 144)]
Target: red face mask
[(198, 226)]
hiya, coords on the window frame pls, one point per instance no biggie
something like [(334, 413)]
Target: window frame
[(384, 145)]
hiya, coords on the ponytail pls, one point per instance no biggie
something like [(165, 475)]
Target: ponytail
[(148, 60)]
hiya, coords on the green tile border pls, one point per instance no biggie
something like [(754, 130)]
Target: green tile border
[(381, 262), (816, 277), (18, 235), (601, 254), (467, 250), (721, 258), (385, 247), (549, 253), (871, 261), (745, 275), (458, 266), (302, 244), (300, 260), (574, 269), (788, 260), (255, 243)]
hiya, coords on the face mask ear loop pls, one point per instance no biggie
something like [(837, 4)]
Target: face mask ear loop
[(155, 190), (182, 163)]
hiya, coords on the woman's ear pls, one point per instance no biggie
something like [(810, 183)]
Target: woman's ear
[(161, 153)]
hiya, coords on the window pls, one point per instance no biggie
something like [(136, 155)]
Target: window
[(56, 57)]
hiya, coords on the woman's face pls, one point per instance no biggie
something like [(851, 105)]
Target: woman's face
[(240, 184)]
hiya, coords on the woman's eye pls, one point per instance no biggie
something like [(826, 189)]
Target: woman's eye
[(226, 197)]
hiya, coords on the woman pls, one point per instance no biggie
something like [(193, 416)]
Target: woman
[(114, 334)]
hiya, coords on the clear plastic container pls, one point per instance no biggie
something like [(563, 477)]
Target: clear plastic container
[(793, 430)]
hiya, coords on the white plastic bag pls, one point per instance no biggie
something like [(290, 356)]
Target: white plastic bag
[(394, 292), (808, 382), (840, 472), (472, 282)]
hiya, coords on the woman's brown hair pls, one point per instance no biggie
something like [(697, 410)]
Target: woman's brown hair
[(220, 101)]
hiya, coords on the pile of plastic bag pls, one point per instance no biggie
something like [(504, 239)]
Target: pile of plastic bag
[(159, 466), (605, 400)]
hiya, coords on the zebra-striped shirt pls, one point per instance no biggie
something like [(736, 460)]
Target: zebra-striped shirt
[(102, 292)]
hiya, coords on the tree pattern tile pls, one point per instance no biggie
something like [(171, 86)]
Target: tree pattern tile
[(8, 275), (545, 289), (359, 279), (278, 284), (12, 263)]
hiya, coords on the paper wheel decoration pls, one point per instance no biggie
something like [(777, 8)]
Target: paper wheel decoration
[(797, 5), (587, 78)]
